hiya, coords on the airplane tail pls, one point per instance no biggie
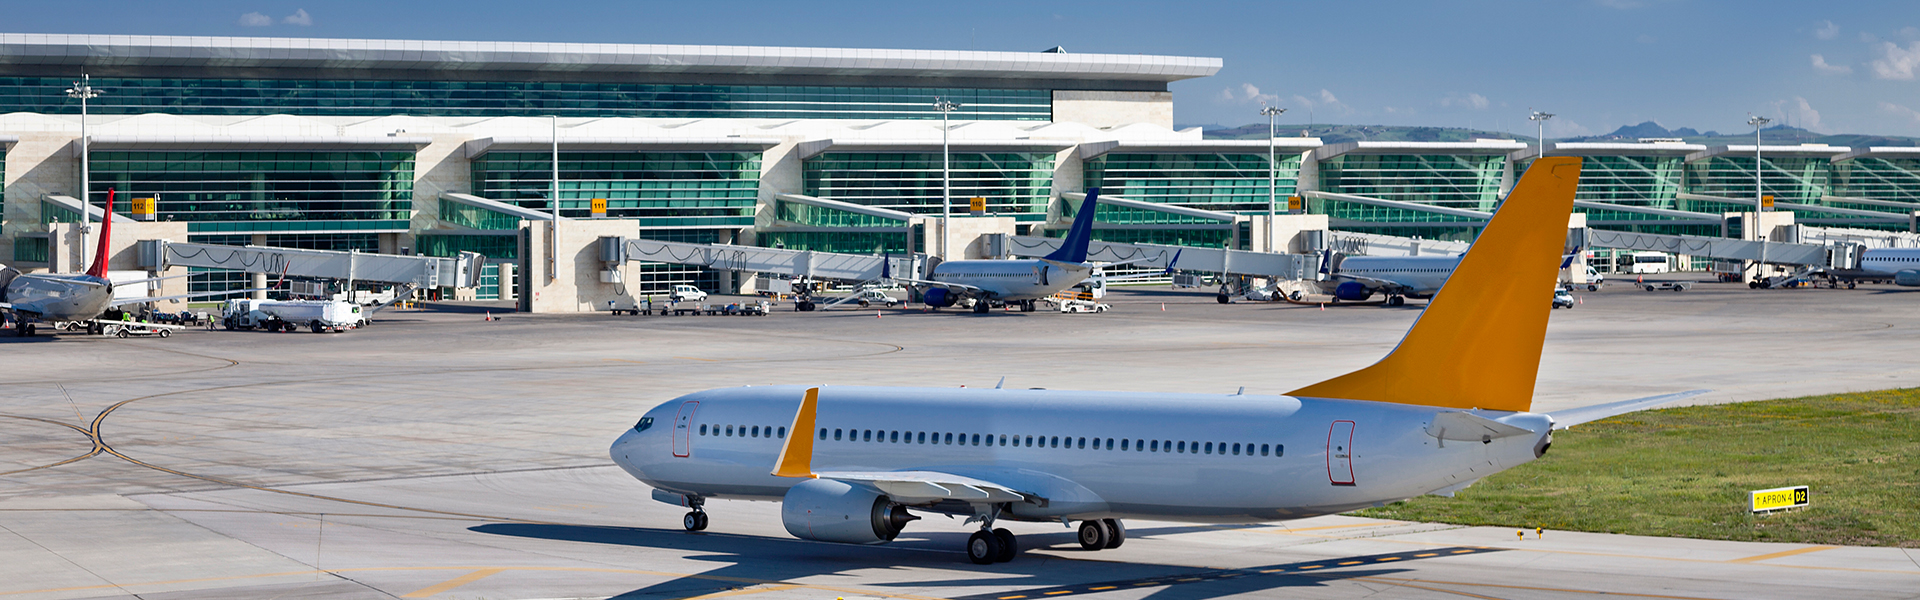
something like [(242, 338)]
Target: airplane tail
[(1478, 343), (99, 267), (1073, 249)]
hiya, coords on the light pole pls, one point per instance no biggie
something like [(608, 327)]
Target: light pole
[(1273, 174), (1759, 199), (946, 175), (1541, 119), (83, 89)]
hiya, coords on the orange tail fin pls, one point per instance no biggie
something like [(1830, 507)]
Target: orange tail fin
[(1478, 343)]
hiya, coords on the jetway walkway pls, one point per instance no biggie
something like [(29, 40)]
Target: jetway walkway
[(1779, 253), (1215, 260), (797, 263), (418, 271)]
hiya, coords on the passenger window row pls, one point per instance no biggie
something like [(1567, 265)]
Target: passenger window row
[(745, 431), (1069, 442)]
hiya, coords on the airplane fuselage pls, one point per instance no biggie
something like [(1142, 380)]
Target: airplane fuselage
[(59, 297), (1184, 457), (1886, 263), (1419, 276), (1013, 280)]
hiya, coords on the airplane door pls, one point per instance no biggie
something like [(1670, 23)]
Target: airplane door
[(1340, 453), (683, 429)]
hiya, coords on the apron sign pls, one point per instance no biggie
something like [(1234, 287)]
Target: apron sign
[(1779, 498), (599, 207)]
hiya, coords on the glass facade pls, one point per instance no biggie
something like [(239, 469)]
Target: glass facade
[(821, 216), (265, 192), (1893, 179), (1211, 181), (1798, 179), (660, 189), (865, 241), (361, 97), (29, 249), (221, 280), (1015, 184), (1464, 181)]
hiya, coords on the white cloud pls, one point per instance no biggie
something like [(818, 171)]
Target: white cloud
[(1563, 128), (299, 17), (254, 19), (1325, 101), (1828, 30), (1249, 93), (1896, 62), (1902, 111), (1820, 64), (1473, 101), (1798, 113)]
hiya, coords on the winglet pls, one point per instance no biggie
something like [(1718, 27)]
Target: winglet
[(796, 455), (1073, 249), (99, 267), (1478, 343)]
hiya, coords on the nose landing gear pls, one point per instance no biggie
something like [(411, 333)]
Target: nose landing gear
[(696, 520)]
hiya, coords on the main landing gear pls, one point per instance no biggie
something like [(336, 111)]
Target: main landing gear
[(1100, 534), (696, 520), (991, 546)]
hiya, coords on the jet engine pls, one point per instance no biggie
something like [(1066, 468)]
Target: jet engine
[(1352, 291), (834, 511), (940, 297), (1909, 277)]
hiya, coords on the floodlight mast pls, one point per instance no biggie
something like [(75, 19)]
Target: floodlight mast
[(83, 89), (946, 176), (1759, 196), (1273, 174), (1541, 119)]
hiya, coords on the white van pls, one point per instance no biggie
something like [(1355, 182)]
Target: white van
[(1649, 263)]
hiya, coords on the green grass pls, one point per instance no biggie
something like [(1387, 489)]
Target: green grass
[(1685, 472)]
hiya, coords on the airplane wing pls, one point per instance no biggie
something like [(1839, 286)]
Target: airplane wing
[(943, 284), (910, 487), (1384, 284), (1563, 419), (146, 299)]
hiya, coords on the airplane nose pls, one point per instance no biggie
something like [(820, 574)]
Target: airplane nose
[(624, 447)]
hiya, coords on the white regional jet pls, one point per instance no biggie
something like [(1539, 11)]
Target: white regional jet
[(1899, 265), (1023, 282), (1444, 409), (73, 296), (1357, 278)]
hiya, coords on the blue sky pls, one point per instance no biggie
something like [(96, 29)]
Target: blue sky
[(1834, 67)]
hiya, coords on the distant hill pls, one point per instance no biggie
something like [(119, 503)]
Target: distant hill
[(1335, 134)]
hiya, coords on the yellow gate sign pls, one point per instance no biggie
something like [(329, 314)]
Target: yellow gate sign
[(1779, 498), (1766, 203), (977, 205), (1294, 204), (599, 207), (145, 208)]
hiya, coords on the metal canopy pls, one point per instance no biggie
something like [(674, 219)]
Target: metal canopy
[(810, 149), (871, 211), (1290, 145), (1223, 217), (480, 147), (498, 206), (93, 212), (257, 142)]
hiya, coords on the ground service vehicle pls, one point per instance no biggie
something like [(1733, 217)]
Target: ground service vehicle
[(872, 297), (686, 293), (1648, 263), (287, 315), (1562, 298)]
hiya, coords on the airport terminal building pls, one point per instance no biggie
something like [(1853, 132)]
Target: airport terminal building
[(428, 147)]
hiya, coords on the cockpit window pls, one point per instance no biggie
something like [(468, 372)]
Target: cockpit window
[(644, 423)]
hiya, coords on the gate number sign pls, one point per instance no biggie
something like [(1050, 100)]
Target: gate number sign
[(1779, 498)]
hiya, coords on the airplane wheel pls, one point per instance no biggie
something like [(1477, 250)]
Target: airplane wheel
[(1116, 532), (23, 329), (1093, 535), (983, 547), (1008, 546), (694, 521), (981, 308), (166, 333), (1849, 285), (121, 334)]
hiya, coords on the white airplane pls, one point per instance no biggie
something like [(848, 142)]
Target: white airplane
[(981, 283), (1899, 265), (1447, 407), (83, 297), (1357, 278)]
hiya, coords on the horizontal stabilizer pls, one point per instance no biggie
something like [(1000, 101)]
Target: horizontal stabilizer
[(1469, 427), (1574, 416)]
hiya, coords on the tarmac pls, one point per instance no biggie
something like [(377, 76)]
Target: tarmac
[(439, 455)]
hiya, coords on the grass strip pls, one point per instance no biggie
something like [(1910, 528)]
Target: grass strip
[(1685, 472)]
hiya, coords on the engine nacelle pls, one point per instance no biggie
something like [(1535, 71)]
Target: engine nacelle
[(834, 511), (940, 297), (1352, 291), (1909, 277)]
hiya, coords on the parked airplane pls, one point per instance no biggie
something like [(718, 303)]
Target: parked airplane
[(1899, 265), (50, 297), (1444, 409), (1357, 278), (982, 283)]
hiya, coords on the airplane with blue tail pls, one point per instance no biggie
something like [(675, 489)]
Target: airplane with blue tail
[(981, 284)]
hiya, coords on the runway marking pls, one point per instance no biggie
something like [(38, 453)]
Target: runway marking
[(1347, 526), (743, 592), (1782, 554), (1400, 581), (453, 583), (769, 585)]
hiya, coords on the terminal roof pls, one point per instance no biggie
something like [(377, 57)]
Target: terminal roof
[(1291, 145)]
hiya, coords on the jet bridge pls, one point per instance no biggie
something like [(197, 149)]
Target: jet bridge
[(419, 271), (797, 263), (1779, 253), (1215, 260)]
